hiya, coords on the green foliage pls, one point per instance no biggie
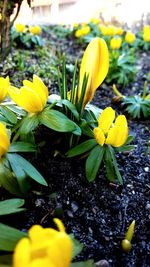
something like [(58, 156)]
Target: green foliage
[(122, 68), (137, 106), (26, 39), (10, 206), (9, 237)]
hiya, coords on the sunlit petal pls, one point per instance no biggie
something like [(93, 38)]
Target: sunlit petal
[(99, 136), (106, 119)]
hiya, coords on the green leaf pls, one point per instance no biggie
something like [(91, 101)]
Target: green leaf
[(115, 165), (82, 148), (29, 123), (77, 246), (10, 116), (71, 107), (125, 148), (10, 206), (89, 263), (8, 181), (19, 172), (19, 111), (9, 237), (21, 147), (57, 121), (93, 162), (29, 169), (109, 165)]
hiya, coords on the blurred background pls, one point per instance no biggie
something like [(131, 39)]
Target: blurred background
[(128, 12)]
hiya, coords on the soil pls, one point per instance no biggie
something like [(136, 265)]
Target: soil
[(97, 213)]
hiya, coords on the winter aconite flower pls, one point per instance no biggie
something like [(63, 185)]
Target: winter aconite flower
[(35, 30), (4, 140), (20, 27), (95, 64), (108, 133), (146, 33), (32, 96), (45, 247), (4, 84), (115, 43), (130, 37)]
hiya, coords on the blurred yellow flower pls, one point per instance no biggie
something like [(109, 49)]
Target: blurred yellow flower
[(20, 27), (82, 31), (119, 31), (0, 16), (146, 33), (111, 30), (35, 30), (4, 84), (108, 133), (4, 140), (95, 64), (32, 96), (75, 25), (103, 29), (130, 37), (45, 247), (115, 43), (95, 20)]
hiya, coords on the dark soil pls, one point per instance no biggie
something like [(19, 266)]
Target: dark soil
[(97, 213)]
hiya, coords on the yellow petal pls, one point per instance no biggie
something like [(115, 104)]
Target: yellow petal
[(59, 225), (4, 140), (37, 81), (95, 63), (26, 98), (36, 89), (4, 84), (106, 119), (41, 263), (118, 134), (21, 256), (60, 251), (99, 136)]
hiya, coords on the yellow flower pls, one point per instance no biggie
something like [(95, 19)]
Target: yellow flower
[(129, 37), (95, 64), (146, 29), (78, 33), (20, 27), (85, 30), (111, 30), (119, 31), (0, 16), (35, 30), (146, 37), (4, 84), (45, 247), (95, 20), (108, 133), (115, 43), (75, 25), (32, 96), (4, 140), (103, 29)]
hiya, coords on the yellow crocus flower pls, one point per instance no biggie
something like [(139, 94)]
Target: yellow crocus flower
[(45, 247), (95, 63), (4, 84), (4, 140), (20, 27), (32, 96), (35, 30), (130, 37), (108, 133), (115, 43)]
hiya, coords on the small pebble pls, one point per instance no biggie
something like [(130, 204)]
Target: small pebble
[(102, 263), (146, 169), (147, 206)]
